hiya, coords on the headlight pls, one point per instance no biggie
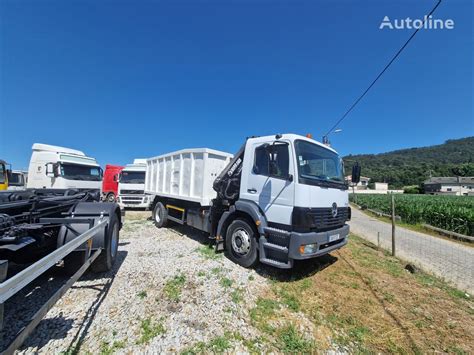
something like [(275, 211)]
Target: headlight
[(309, 248)]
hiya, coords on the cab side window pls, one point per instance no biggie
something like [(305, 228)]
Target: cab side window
[(275, 163)]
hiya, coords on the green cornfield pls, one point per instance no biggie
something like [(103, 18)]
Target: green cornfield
[(453, 213)]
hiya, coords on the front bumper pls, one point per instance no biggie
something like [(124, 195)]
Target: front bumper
[(133, 201), (321, 239)]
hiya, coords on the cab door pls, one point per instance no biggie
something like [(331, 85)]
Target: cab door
[(267, 179)]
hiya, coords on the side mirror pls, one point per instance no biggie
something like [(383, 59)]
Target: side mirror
[(51, 170), (355, 178), (116, 179)]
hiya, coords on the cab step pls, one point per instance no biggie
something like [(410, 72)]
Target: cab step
[(279, 264), (275, 247), (277, 232)]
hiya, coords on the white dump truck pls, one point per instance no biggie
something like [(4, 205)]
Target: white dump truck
[(279, 199), (131, 186), (53, 167)]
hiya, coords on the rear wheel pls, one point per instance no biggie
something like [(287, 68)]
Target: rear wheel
[(241, 243), (160, 215), (106, 259)]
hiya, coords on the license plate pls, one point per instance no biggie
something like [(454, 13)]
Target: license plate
[(334, 237)]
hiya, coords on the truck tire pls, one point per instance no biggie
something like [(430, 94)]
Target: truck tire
[(110, 197), (106, 259), (160, 215), (241, 243)]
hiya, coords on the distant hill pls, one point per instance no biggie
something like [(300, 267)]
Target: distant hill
[(412, 166)]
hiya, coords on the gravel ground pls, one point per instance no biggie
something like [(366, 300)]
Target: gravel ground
[(165, 294)]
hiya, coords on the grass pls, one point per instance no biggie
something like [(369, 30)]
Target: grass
[(150, 330), (365, 302), (226, 282), (208, 253), (142, 294), (108, 349), (237, 295), (217, 344), (290, 341), (174, 286)]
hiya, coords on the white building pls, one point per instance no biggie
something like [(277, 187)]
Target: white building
[(456, 186), (361, 185)]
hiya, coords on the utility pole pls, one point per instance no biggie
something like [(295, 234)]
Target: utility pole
[(393, 224)]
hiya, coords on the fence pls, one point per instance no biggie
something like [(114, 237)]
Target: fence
[(450, 260)]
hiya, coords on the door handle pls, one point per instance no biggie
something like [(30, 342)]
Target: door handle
[(252, 191)]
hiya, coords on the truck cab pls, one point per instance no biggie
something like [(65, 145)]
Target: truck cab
[(293, 188), (110, 182), (17, 180), (53, 167), (131, 186), (3, 175)]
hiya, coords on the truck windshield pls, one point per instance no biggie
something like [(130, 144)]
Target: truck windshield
[(132, 177), (318, 165), (15, 179), (2, 174), (80, 172)]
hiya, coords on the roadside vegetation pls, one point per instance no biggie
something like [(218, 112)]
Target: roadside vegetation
[(364, 302), (452, 213)]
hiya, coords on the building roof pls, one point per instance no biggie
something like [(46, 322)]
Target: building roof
[(348, 177), (450, 180)]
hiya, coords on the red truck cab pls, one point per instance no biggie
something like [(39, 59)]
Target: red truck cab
[(110, 182)]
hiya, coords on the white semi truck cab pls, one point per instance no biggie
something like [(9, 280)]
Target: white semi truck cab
[(59, 168), (279, 199), (131, 188)]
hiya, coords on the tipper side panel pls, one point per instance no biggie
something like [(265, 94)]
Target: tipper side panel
[(186, 175)]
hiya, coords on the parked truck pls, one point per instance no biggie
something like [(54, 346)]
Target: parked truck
[(56, 222), (3, 175), (53, 167), (279, 199), (17, 180), (110, 182), (132, 186)]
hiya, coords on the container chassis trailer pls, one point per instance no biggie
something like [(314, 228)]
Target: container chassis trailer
[(40, 229)]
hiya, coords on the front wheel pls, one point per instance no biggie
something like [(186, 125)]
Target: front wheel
[(111, 197), (106, 259), (241, 243)]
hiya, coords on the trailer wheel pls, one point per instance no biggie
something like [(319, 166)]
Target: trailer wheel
[(160, 215), (241, 243), (108, 255)]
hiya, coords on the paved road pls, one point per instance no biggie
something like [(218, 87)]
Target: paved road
[(450, 260)]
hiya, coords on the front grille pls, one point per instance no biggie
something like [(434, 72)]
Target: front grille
[(323, 219), (131, 202), (132, 192), (131, 198)]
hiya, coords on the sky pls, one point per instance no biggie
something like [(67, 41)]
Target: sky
[(129, 79)]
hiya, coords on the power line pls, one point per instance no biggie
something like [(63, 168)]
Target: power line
[(381, 73)]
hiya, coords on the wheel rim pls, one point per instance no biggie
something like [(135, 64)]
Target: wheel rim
[(157, 216), (241, 240), (111, 198), (114, 241)]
